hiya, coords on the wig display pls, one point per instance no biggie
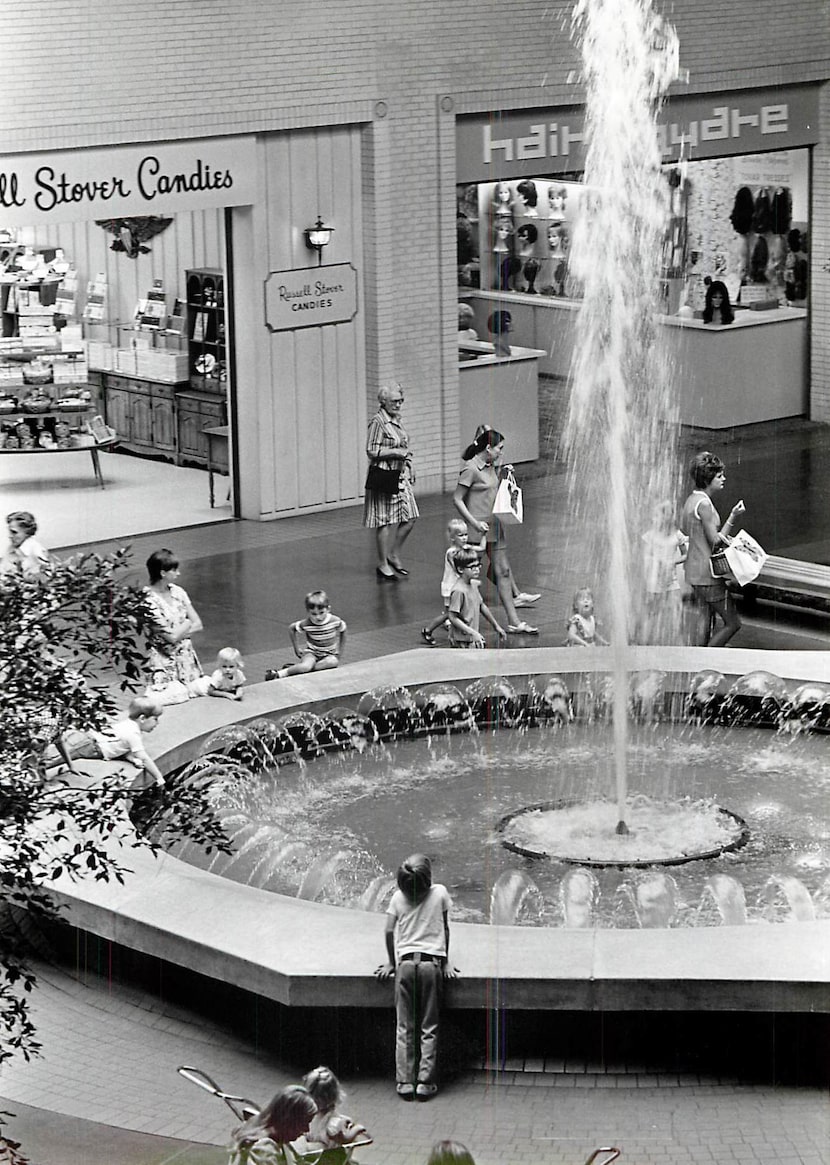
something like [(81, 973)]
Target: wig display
[(743, 212)]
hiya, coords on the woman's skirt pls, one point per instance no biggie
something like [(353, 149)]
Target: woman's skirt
[(390, 509)]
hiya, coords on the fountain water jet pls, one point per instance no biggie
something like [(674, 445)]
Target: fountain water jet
[(620, 436)]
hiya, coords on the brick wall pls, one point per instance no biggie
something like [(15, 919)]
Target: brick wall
[(84, 72)]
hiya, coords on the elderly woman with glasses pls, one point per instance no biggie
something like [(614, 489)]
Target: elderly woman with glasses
[(390, 508)]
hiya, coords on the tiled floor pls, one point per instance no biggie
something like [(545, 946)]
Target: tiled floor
[(105, 1091)]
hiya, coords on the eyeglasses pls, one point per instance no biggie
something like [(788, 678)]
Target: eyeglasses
[(396, 400), (318, 607)]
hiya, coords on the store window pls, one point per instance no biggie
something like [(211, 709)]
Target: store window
[(743, 220)]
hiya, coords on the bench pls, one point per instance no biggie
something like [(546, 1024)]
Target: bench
[(789, 580)]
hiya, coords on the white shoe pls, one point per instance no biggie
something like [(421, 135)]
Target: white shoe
[(525, 600)]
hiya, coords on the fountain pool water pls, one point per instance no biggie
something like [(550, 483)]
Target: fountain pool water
[(333, 828)]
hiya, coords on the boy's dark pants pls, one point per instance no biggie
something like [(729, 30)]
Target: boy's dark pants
[(417, 1004)]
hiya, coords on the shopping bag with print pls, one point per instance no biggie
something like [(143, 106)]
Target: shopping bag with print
[(509, 506), (745, 557)]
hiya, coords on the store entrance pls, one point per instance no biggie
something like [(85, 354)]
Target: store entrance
[(116, 352)]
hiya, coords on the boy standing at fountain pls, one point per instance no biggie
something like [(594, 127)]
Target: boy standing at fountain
[(466, 605), (417, 948)]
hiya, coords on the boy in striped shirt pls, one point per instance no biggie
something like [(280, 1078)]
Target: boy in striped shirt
[(324, 636)]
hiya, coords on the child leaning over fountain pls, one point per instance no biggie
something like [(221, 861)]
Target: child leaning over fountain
[(329, 1127), (325, 638), (582, 625), (229, 677), (417, 948)]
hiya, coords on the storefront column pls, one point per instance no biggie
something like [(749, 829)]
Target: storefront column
[(820, 268)]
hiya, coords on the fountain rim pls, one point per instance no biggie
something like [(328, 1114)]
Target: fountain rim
[(636, 864), (195, 918)]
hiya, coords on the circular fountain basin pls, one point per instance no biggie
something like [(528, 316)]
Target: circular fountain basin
[(196, 919), (658, 833)]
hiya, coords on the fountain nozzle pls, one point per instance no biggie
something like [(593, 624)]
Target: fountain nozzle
[(622, 829)]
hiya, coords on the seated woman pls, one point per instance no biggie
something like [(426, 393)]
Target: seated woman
[(175, 671)]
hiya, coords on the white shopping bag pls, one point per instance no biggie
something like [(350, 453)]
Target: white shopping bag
[(745, 557), (509, 506)]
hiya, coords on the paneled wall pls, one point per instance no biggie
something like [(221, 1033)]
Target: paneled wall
[(191, 240), (303, 422)]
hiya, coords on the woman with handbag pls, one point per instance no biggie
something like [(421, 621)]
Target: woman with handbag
[(390, 507), (700, 522), (478, 484)]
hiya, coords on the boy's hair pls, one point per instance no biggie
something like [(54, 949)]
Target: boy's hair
[(315, 598), (456, 526), (464, 557), (141, 706), (324, 1088), (24, 520), (229, 655), (450, 1153), (415, 877), (704, 468)]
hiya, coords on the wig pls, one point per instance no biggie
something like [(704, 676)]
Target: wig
[(527, 191), (528, 232), (782, 210), (743, 211), (759, 260), (762, 217), (727, 315)]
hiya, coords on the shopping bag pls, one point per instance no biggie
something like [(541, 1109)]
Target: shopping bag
[(740, 561), (509, 506)]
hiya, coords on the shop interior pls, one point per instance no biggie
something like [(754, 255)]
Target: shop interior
[(742, 220), (115, 352)]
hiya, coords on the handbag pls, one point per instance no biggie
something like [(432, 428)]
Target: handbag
[(383, 481), (509, 505)]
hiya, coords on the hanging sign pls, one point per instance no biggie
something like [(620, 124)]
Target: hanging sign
[(552, 141), (118, 181), (310, 297)]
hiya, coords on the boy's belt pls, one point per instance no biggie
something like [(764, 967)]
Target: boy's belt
[(419, 957)]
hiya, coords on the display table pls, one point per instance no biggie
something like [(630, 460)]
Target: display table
[(754, 369), (503, 393), (92, 449), (217, 453)]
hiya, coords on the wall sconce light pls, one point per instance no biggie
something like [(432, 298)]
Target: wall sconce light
[(317, 237)]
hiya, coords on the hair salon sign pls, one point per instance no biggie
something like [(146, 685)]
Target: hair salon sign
[(154, 178), (310, 297)]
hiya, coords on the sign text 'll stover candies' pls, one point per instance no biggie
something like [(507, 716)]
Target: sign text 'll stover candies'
[(163, 177), (310, 297)]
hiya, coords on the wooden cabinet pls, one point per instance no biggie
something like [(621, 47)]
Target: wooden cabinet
[(206, 329), (196, 411), (142, 412)]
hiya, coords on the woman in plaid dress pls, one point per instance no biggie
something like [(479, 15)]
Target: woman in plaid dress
[(391, 516)]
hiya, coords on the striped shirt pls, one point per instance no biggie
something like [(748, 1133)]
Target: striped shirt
[(323, 638)]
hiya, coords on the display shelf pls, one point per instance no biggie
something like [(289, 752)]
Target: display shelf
[(206, 331)]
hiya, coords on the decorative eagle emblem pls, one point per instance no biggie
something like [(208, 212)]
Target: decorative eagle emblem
[(132, 233)]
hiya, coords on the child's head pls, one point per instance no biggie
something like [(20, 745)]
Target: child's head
[(663, 515), (584, 601), (324, 1088), (450, 1153), (228, 660), (466, 560), (145, 712), (415, 877), (457, 533), (317, 605)]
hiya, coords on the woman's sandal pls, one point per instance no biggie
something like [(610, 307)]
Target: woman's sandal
[(401, 570), (521, 629)]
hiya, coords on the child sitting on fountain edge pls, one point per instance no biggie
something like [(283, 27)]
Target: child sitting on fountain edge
[(325, 637)]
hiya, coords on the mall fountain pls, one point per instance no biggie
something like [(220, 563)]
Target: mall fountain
[(636, 941)]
